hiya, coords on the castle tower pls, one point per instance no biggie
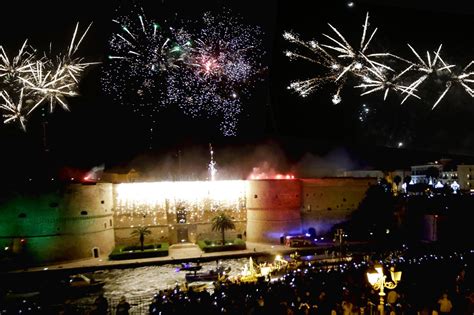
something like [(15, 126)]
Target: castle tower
[(273, 209)]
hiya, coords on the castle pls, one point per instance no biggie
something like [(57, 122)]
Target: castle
[(78, 221)]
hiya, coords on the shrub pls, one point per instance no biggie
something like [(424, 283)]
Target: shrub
[(210, 247), (134, 252)]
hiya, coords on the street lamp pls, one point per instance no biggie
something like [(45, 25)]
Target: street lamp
[(377, 281)]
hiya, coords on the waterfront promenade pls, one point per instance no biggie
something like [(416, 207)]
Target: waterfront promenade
[(176, 255)]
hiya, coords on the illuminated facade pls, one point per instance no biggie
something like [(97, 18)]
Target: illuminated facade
[(82, 221)]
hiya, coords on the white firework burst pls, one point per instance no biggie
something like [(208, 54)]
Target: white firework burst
[(48, 85), (357, 58), (380, 79), (339, 59), (318, 56), (13, 111), (464, 78), (34, 80), (431, 66), (71, 65), (19, 65)]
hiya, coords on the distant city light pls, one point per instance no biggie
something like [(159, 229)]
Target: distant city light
[(350, 4), (400, 144)]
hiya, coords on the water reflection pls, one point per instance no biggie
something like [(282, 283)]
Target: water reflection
[(144, 282)]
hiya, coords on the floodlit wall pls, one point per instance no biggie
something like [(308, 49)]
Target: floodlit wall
[(64, 224), (273, 209), (69, 222), (329, 201), (178, 211)]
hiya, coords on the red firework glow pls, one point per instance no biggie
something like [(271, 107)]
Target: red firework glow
[(208, 65), (267, 176), (268, 173)]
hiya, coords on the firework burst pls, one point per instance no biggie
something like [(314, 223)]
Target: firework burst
[(222, 66), (35, 80), (380, 79), (432, 66), (11, 70), (464, 78), (13, 111), (339, 59), (142, 55), (319, 56)]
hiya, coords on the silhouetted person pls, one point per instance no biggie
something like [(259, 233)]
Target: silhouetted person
[(101, 305), (122, 307)]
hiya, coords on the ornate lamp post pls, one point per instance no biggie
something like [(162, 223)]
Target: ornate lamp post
[(377, 281)]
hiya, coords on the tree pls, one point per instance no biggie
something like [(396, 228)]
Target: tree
[(222, 222), (141, 231), (375, 213)]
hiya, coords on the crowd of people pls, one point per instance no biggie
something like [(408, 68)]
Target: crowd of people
[(439, 286), (430, 285)]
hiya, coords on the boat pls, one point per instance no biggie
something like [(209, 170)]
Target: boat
[(220, 273), (82, 283), (251, 273), (189, 267)]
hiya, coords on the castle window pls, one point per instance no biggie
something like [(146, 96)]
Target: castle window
[(83, 212), (54, 204), (110, 221), (102, 201), (329, 209), (105, 225), (255, 196), (344, 200), (22, 215)]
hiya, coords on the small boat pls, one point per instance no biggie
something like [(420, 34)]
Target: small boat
[(189, 267), (220, 273), (82, 283)]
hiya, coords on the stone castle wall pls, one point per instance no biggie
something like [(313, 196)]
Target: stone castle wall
[(72, 221), (64, 224)]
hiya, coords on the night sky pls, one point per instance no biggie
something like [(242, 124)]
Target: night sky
[(98, 130)]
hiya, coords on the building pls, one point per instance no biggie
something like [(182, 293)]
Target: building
[(426, 173), (465, 176), (445, 172), (85, 220)]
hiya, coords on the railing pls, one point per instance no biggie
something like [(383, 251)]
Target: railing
[(138, 306)]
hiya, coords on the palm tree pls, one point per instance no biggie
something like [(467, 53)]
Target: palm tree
[(222, 222), (141, 231)]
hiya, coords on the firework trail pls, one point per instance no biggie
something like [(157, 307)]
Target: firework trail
[(212, 165)]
